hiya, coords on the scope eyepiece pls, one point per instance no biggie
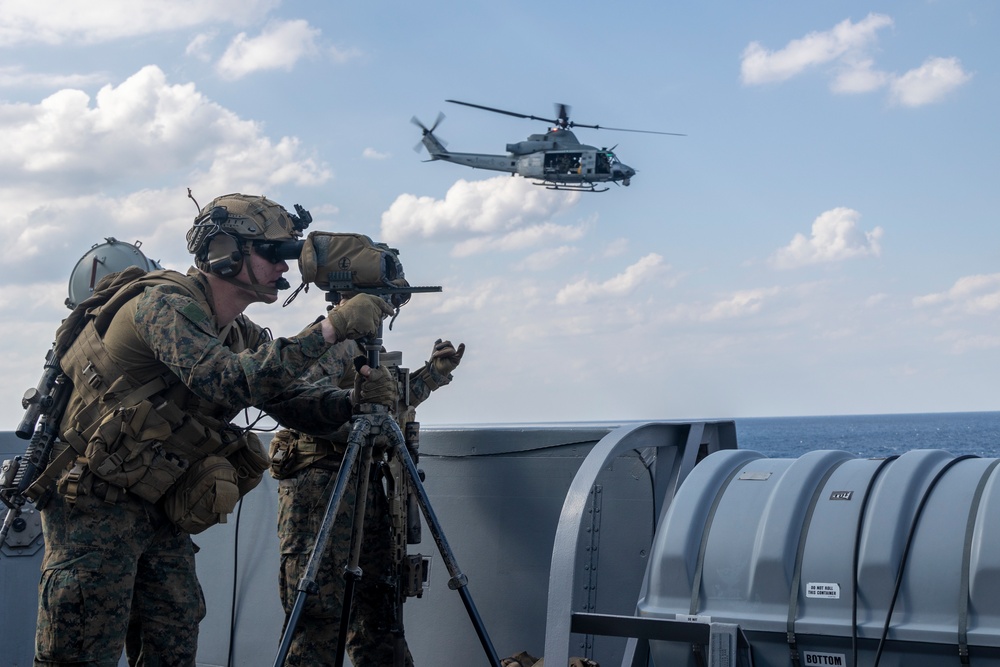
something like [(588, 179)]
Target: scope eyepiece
[(277, 251)]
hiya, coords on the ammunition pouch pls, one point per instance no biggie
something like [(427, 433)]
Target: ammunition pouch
[(128, 450), (157, 452), (204, 496), (291, 451)]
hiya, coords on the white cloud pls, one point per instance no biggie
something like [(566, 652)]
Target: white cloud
[(974, 295), (16, 76), (61, 21), (740, 304), (616, 247), (846, 47), (141, 130), (876, 299), (341, 56), (928, 83), (279, 46), (645, 270), (760, 65), (543, 260), (859, 77), (504, 211), (835, 237), (120, 163), (961, 342), (198, 47), (372, 154), (518, 239)]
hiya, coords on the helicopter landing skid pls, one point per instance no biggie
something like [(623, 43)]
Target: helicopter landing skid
[(581, 187)]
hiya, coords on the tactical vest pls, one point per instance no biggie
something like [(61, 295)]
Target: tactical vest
[(144, 431)]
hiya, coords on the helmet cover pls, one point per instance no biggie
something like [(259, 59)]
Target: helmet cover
[(246, 217)]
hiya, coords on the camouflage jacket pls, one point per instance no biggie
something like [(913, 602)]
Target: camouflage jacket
[(222, 372)]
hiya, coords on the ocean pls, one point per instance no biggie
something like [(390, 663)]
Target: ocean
[(959, 433)]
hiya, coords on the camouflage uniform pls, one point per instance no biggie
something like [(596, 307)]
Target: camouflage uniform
[(302, 499), (103, 557)]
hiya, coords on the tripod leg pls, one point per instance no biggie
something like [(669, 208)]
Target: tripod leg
[(307, 584), (352, 573), (458, 580)]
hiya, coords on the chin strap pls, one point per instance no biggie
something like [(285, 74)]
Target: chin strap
[(256, 287)]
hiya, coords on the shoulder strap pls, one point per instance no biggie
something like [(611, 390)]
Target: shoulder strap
[(106, 288)]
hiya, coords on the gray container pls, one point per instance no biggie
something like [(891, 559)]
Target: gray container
[(816, 555)]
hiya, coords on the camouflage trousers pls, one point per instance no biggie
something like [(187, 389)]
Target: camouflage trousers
[(104, 562), (374, 628)]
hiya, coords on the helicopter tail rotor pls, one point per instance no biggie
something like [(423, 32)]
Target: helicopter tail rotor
[(433, 144)]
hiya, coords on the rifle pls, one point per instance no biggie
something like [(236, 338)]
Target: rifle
[(409, 571), (44, 406)]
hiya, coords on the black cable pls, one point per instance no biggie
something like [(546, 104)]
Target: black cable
[(236, 567), (906, 551), (648, 465), (857, 555)]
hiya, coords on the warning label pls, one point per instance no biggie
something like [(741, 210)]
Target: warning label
[(828, 591), (813, 658)]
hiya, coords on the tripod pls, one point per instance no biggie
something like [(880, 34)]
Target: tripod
[(375, 421)]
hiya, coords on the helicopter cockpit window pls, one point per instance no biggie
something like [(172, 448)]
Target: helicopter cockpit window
[(604, 161)]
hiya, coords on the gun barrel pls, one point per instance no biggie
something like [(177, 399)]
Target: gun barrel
[(8, 521)]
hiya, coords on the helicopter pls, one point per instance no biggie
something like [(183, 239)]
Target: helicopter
[(556, 160)]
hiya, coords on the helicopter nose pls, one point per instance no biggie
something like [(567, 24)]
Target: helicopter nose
[(624, 173)]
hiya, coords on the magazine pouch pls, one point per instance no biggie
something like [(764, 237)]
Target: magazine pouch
[(127, 450)]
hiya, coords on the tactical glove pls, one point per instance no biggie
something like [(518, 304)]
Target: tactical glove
[(380, 387), (436, 373), (445, 358), (359, 317)]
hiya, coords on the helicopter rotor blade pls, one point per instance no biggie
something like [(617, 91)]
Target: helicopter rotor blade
[(430, 131), (420, 144), (562, 119), (437, 121), (508, 113), (562, 114), (622, 129)]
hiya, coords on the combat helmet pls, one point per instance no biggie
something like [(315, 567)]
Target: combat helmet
[(229, 226)]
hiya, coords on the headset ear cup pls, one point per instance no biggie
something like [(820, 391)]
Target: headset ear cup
[(224, 256)]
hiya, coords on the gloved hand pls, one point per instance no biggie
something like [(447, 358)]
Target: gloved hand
[(359, 316), (380, 387), (445, 358)]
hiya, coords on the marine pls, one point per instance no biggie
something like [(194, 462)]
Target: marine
[(307, 463), (161, 363)]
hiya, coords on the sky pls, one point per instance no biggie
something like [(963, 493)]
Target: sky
[(822, 240)]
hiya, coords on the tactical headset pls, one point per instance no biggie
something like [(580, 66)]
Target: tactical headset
[(223, 252)]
